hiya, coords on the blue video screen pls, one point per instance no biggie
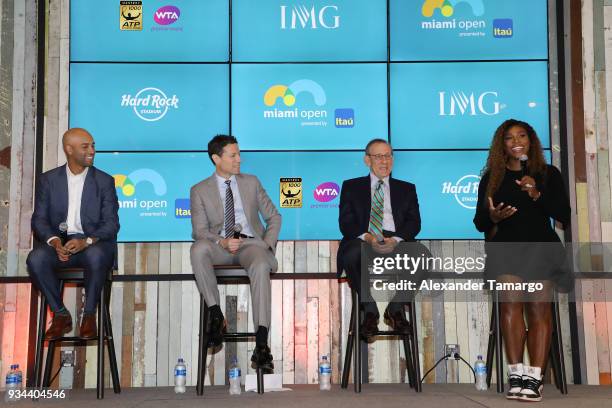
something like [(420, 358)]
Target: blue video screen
[(308, 106), (150, 106), (281, 30), (151, 30), (459, 105), (450, 30)]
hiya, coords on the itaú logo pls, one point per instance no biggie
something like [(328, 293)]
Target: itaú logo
[(302, 17), (461, 103)]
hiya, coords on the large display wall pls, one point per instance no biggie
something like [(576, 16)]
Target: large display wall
[(303, 85)]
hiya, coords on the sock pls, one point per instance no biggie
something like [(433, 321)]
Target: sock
[(215, 311), (261, 338), (515, 370), (62, 311)]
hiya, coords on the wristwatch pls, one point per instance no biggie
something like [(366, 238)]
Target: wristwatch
[(89, 241)]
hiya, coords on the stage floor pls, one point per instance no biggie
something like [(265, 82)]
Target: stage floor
[(309, 396)]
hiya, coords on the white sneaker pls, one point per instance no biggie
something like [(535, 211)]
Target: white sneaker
[(532, 385), (515, 380)]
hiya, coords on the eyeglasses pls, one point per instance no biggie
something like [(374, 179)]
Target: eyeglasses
[(381, 157)]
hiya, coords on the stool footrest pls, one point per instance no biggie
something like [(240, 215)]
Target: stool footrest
[(78, 339), (237, 335)]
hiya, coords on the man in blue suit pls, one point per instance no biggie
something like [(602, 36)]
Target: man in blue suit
[(76, 221)]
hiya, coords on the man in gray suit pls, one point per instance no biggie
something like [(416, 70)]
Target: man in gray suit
[(225, 217)]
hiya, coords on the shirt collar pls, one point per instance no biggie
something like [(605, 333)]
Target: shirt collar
[(374, 180), (221, 180)]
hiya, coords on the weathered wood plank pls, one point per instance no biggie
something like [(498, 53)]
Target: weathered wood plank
[(288, 316), (163, 320)]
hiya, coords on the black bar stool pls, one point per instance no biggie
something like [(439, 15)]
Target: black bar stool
[(226, 274), (410, 343), (555, 354), (105, 334)]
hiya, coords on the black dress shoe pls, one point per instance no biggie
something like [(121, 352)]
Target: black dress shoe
[(262, 359), (397, 320), (369, 327), (218, 327)]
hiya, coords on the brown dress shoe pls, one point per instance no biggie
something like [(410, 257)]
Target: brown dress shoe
[(88, 328), (60, 325), (397, 320), (369, 327)]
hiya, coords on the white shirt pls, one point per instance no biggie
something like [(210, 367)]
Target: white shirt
[(75, 193), (388, 223), (239, 214)]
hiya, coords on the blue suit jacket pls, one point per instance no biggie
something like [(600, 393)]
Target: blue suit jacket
[(99, 205)]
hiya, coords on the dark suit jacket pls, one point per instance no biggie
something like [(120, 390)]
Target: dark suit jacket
[(355, 207), (99, 205)]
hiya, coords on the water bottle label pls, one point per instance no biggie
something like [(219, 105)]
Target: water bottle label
[(11, 379), (180, 372), (234, 373), (481, 369), (325, 370)]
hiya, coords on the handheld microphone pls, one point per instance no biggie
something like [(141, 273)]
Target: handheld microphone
[(523, 160), (63, 228), (237, 231)]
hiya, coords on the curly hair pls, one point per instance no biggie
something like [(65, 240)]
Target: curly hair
[(496, 162)]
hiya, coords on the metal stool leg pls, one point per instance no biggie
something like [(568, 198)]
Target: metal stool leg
[(48, 364), (110, 344), (349, 350), (558, 341), (40, 341), (409, 360), (415, 347), (101, 324), (203, 346), (491, 347), (499, 352), (357, 349)]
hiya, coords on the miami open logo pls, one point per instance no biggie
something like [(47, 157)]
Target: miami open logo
[(303, 90), (464, 27), (447, 7), (127, 185)]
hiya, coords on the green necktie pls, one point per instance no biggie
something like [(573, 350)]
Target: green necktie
[(376, 214)]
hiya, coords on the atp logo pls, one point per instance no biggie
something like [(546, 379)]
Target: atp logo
[(128, 183), (289, 94), (447, 7)]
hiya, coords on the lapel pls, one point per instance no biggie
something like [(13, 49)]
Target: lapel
[(216, 197), (63, 192), (365, 190), (89, 188), (245, 193), (395, 200)]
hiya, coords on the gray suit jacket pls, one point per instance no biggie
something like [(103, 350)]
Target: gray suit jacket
[(207, 212)]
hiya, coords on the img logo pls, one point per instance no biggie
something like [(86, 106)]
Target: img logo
[(167, 15), (302, 17), (288, 96), (345, 118), (447, 7), (502, 28), (127, 187), (461, 103), (465, 190), (150, 104), (326, 192)]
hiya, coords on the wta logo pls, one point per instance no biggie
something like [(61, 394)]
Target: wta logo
[(167, 15), (288, 94), (326, 192), (447, 7), (127, 184)]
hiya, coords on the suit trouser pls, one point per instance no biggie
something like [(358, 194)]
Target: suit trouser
[(96, 260), (254, 256)]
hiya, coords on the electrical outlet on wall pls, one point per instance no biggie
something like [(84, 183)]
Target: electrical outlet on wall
[(451, 349), (67, 358)]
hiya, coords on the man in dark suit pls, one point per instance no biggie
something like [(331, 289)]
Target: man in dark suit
[(76, 221), (380, 211)]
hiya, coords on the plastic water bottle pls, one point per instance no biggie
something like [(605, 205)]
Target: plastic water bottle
[(180, 376), (481, 374), (324, 374), (12, 383), (234, 378)]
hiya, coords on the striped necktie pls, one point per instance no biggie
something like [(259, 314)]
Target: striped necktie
[(230, 219), (376, 214)]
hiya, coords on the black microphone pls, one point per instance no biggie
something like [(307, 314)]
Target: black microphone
[(523, 160), (63, 228), (237, 231)]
